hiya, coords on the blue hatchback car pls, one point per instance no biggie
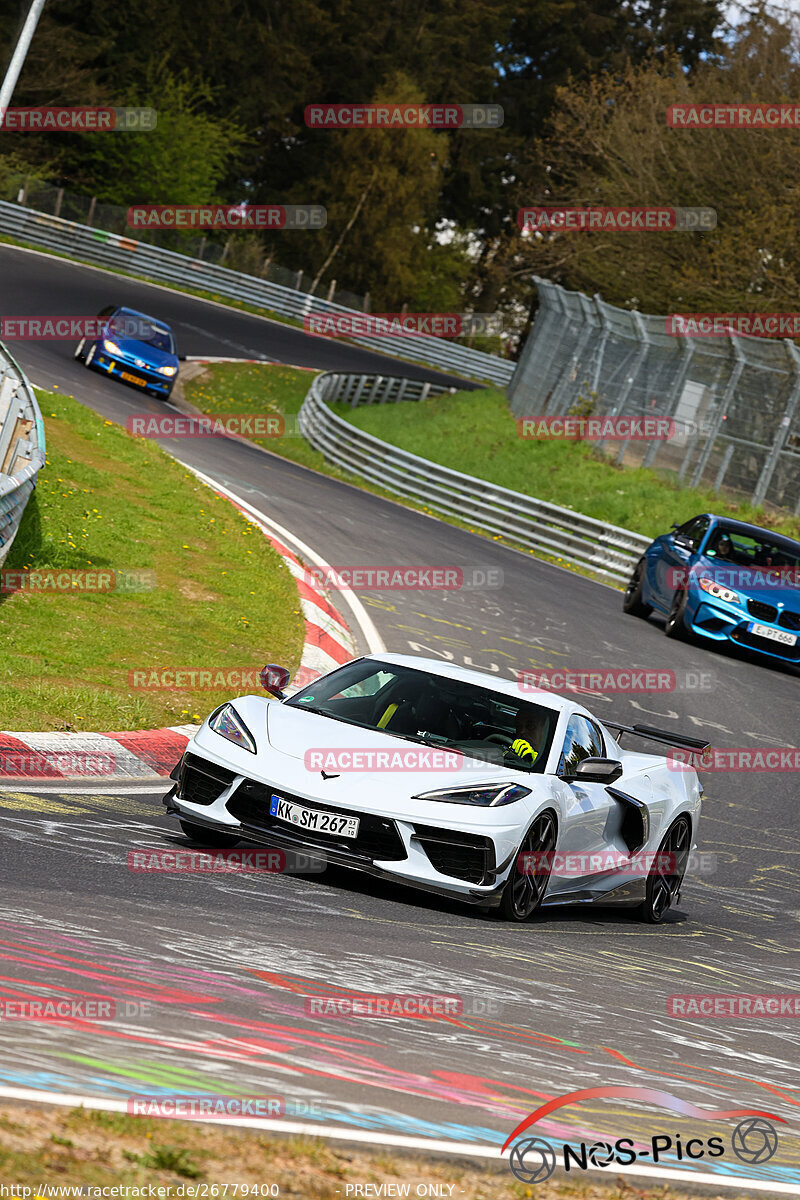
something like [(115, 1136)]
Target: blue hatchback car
[(134, 348), (722, 580)]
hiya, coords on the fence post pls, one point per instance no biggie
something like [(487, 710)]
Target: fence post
[(59, 202), (721, 412), (723, 467), (674, 400), (331, 291), (785, 424), (604, 336)]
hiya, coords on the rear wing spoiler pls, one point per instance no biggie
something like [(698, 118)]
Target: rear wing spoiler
[(679, 740)]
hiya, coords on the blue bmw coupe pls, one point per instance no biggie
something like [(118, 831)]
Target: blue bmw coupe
[(721, 580), (134, 348)]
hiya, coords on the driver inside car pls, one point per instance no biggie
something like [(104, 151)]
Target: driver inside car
[(530, 729)]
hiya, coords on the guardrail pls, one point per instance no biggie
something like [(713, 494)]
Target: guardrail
[(153, 262), (572, 538), (22, 447)]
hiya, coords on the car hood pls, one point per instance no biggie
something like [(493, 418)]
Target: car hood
[(150, 354)]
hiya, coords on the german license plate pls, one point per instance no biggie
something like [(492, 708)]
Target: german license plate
[(311, 818), (774, 635), (132, 379)]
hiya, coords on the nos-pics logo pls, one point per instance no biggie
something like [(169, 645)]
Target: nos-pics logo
[(534, 1159)]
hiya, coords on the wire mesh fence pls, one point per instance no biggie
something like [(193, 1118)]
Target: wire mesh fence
[(733, 400)]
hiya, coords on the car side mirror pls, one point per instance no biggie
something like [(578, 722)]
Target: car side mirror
[(685, 543), (595, 770), (274, 679)]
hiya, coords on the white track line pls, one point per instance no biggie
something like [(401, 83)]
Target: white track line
[(379, 1138), (364, 621)]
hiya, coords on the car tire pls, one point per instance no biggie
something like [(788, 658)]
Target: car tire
[(663, 888), (524, 891), (87, 362), (632, 602), (675, 626), (209, 837), (79, 356)]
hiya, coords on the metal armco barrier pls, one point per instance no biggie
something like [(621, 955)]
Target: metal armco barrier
[(152, 262), (576, 540), (22, 448)]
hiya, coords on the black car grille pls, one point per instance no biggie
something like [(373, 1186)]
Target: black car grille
[(464, 856), (378, 837), (789, 620), (743, 637), (761, 611), (202, 782)]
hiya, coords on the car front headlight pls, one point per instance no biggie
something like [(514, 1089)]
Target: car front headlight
[(718, 591), (228, 724), (493, 795), (167, 370), (111, 347)]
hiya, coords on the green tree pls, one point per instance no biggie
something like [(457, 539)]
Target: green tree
[(184, 160)]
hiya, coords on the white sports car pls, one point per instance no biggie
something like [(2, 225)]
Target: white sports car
[(446, 779)]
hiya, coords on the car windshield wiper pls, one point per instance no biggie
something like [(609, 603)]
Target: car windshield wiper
[(421, 741), (323, 712)]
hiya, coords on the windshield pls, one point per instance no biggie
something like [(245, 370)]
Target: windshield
[(415, 705), (129, 325), (728, 547)]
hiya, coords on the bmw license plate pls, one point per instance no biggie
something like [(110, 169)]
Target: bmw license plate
[(132, 379), (312, 818), (774, 635)]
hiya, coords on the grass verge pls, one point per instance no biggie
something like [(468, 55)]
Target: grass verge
[(222, 598), (55, 1146), (474, 432)]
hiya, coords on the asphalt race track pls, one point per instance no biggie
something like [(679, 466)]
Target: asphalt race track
[(215, 969)]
